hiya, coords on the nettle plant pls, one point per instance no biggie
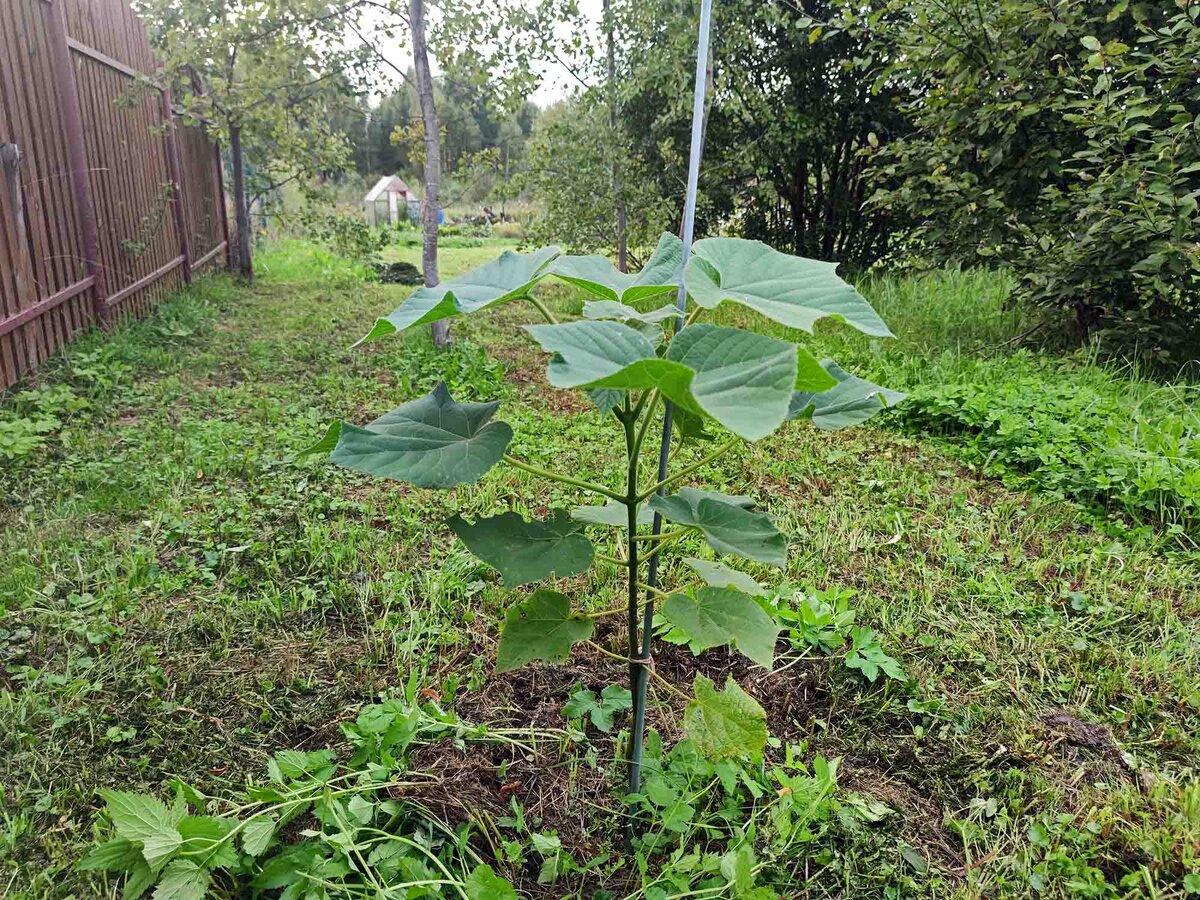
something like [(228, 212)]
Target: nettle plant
[(642, 362)]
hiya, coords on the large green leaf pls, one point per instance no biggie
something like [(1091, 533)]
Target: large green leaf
[(743, 380), (720, 575), (527, 551), (789, 289), (508, 277), (137, 817), (591, 354), (599, 277), (741, 377), (431, 442), (540, 627), (715, 616), (851, 402), (727, 527), (725, 724), (613, 513)]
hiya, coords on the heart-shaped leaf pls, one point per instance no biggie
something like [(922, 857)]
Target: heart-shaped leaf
[(540, 627), (725, 724), (715, 616), (612, 513), (727, 527), (507, 277), (591, 354), (599, 277), (527, 551), (851, 402), (720, 575), (741, 377), (431, 442), (743, 380), (789, 289)]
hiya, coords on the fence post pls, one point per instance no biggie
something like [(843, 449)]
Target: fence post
[(81, 181), (178, 198)]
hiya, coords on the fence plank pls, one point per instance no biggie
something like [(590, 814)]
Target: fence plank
[(117, 200)]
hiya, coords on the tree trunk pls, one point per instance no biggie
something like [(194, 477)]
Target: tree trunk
[(433, 162), (622, 215), (243, 262)]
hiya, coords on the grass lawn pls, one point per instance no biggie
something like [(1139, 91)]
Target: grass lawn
[(181, 597)]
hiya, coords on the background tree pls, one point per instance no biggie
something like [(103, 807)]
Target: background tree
[(568, 172), (430, 208), (268, 76), (1058, 138)]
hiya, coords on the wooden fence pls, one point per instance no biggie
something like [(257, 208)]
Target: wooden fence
[(107, 201)]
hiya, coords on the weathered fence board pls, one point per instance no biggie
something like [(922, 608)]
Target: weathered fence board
[(107, 201)]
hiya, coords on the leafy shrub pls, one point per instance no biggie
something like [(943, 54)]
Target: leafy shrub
[(398, 273), (324, 827), (315, 829), (1059, 138), (34, 416), (348, 236), (1075, 439), (508, 230)]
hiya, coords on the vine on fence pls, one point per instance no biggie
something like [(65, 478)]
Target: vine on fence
[(151, 223)]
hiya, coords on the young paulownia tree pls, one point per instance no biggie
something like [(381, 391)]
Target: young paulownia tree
[(624, 353)]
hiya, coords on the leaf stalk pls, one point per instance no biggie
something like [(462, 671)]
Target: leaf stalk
[(564, 479)]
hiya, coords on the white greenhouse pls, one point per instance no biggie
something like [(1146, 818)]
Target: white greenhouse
[(390, 202)]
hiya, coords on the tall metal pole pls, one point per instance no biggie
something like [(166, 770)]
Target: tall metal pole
[(687, 235)]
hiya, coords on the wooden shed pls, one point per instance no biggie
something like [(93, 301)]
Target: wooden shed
[(390, 202)]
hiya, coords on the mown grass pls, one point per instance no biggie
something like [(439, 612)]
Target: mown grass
[(181, 597)]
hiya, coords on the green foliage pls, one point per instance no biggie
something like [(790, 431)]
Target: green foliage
[(1075, 439), (716, 616), (357, 834), (541, 627), (348, 236), (1083, 175), (430, 442), (725, 524), (793, 291), (527, 551), (506, 278), (851, 401), (725, 724), (614, 698), (569, 170), (824, 622)]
